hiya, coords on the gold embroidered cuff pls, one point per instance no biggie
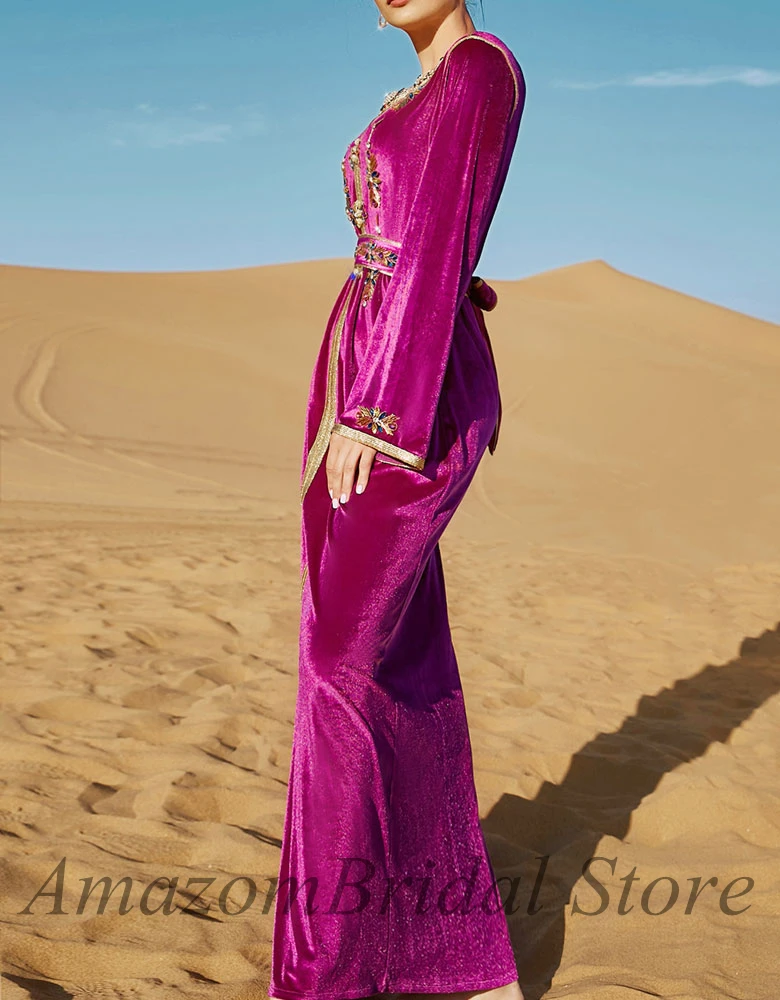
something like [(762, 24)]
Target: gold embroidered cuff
[(408, 457)]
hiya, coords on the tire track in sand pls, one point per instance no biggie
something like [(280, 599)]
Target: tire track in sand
[(28, 395)]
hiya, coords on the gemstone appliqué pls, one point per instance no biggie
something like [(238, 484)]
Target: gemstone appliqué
[(375, 254), (374, 181), (356, 212), (377, 419), (398, 98), (371, 259), (369, 286)]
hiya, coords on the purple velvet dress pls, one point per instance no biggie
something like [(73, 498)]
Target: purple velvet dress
[(385, 884)]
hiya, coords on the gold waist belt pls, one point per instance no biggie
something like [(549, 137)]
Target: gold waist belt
[(375, 253)]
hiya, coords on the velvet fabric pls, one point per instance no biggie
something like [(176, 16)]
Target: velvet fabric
[(385, 884)]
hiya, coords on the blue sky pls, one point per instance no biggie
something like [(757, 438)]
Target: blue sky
[(173, 135)]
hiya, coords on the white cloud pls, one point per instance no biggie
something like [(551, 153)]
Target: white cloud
[(746, 76), (151, 127)]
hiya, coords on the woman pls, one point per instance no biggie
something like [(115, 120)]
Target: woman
[(385, 885)]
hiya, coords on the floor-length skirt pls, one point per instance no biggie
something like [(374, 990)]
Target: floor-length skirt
[(385, 884)]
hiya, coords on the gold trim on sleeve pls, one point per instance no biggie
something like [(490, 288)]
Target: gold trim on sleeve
[(487, 41), (408, 457)]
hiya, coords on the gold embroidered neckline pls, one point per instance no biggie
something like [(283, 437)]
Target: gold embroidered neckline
[(400, 98)]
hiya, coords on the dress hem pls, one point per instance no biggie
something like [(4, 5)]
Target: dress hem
[(368, 991)]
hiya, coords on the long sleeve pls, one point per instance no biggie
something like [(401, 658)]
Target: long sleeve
[(392, 402)]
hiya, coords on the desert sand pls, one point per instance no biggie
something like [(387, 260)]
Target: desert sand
[(614, 585)]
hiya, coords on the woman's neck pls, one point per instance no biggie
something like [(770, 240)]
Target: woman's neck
[(432, 43)]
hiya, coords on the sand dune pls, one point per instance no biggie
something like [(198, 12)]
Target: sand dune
[(613, 579)]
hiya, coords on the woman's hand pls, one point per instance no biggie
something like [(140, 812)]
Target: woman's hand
[(344, 460)]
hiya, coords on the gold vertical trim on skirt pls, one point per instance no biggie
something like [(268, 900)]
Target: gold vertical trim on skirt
[(320, 445)]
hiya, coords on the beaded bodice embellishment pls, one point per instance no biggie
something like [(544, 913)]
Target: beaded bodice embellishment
[(373, 253), (356, 208), (398, 98), (356, 212), (371, 259), (374, 180)]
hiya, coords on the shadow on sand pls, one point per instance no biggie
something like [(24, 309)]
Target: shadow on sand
[(607, 779)]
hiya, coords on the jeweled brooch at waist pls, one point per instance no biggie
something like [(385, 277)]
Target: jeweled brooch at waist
[(374, 255)]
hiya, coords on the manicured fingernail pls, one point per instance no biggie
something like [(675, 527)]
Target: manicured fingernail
[(343, 497), (359, 488), (335, 504), (331, 493)]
